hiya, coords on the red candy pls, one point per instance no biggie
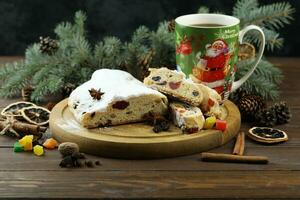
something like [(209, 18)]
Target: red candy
[(221, 125)]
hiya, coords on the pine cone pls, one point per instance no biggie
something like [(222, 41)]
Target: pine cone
[(144, 64), (48, 45), (282, 112), (249, 105), (67, 89), (266, 117), (238, 94), (26, 93), (171, 25)]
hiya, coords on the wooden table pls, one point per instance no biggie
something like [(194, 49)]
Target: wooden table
[(25, 175)]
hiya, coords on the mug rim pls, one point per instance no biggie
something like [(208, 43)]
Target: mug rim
[(235, 21)]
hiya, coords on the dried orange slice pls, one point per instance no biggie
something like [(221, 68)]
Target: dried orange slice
[(13, 110), (36, 115), (267, 135), (246, 51)]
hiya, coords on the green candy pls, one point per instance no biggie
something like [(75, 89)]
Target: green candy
[(18, 147)]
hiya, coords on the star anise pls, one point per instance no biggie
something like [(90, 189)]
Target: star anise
[(96, 94)]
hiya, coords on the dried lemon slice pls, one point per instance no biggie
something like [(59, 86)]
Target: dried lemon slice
[(13, 110), (36, 115)]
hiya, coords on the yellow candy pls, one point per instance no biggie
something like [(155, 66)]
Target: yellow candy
[(26, 142), (209, 122), (38, 150), (26, 139)]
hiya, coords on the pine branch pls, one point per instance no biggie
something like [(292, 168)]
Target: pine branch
[(263, 81), (203, 9), (163, 44), (81, 51), (108, 53), (9, 69), (273, 40), (49, 85), (79, 21), (17, 81), (243, 7), (273, 16), (136, 50)]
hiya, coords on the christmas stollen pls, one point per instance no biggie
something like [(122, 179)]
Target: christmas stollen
[(114, 97)]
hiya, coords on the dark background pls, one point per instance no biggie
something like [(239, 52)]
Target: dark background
[(23, 21)]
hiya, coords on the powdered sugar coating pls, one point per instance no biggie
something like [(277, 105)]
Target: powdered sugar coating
[(117, 85)]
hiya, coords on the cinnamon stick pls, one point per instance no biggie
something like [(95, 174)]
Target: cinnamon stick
[(25, 128), (239, 146), (220, 157)]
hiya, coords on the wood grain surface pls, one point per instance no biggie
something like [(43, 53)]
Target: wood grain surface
[(23, 175)]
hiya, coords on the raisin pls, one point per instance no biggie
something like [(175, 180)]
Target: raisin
[(97, 162), (195, 93), (192, 130), (89, 163), (156, 78), (121, 105), (162, 83), (75, 106), (78, 155), (174, 85), (108, 123), (160, 123), (93, 114)]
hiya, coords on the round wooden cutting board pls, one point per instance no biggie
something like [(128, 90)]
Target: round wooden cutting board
[(137, 140)]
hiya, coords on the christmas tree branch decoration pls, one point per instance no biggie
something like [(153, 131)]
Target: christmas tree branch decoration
[(54, 64)]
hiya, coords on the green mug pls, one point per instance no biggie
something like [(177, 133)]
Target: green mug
[(207, 48)]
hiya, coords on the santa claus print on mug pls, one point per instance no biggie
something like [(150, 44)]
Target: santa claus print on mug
[(206, 49)]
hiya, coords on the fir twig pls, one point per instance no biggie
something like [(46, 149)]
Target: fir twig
[(273, 16)]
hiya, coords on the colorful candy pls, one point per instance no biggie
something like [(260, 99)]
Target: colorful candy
[(221, 125), (38, 150), (50, 143), (209, 122), (26, 142), (18, 147)]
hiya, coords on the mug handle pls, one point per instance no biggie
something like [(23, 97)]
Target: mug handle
[(237, 84)]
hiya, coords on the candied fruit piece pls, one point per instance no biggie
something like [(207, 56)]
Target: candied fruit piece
[(38, 150), (174, 85), (50, 143), (26, 142), (209, 122), (221, 125), (26, 139), (18, 147)]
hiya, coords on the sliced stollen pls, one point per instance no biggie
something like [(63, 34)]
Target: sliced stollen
[(189, 118), (210, 104), (173, 83), (114, 97)]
